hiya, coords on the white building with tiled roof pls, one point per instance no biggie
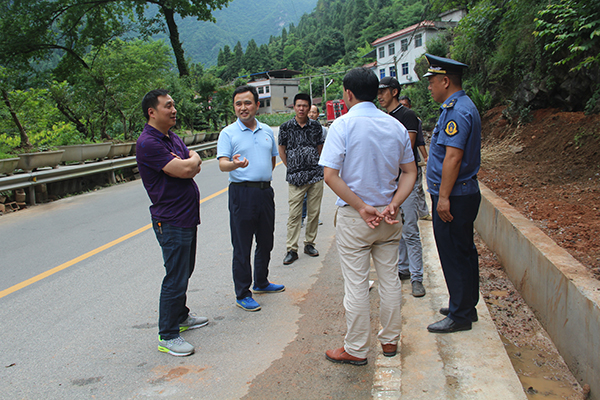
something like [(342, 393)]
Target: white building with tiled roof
[(396, 53), (276, 89)]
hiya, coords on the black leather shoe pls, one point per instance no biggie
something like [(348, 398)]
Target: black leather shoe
[(403, 277), (448, 326), (310, 250), (290, 257), (446, 311), (417, 289)]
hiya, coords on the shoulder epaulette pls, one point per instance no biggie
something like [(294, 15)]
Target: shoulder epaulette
[(450, 104)]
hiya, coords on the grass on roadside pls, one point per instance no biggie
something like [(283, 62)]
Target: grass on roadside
[(274, 119)]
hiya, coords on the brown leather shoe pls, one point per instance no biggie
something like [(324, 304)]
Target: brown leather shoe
[(340, 356), (389, 349)]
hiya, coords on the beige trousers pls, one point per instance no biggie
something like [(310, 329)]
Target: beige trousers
[(357, 244), (314, 194)]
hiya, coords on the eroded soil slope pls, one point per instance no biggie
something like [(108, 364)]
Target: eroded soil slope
[(549, 169)]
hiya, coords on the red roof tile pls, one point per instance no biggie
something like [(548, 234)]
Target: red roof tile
[(422, 24)]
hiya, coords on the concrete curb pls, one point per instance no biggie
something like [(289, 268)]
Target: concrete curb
[(562, 292), (462, 365)]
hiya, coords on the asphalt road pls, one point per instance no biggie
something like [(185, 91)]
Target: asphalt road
[(79, 298)]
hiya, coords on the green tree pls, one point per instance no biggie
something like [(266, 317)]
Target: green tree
[(237, 62), (252, 58), (329, 48), (129, 70), (571, 32), (276, 54), (227, 54), (102, 101), (293, 57), (477, 35), (265, 61), (222, 101), (6, 84), (356, 15), (221, 58), (39, 117), (37, 28), (206, 90), (200, 9)]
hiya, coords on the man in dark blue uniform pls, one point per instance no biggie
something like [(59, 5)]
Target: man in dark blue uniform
[(454, 159)]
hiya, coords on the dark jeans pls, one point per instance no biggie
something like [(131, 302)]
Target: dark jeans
[(179, 254), (251, 215), (458, 255)]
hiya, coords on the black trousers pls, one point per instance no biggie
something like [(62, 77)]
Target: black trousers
[(458, 255), (251, 216)]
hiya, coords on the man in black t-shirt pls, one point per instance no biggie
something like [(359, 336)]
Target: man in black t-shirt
[(424, 211), (410, 263)]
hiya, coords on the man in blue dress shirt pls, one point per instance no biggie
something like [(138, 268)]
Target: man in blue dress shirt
[(454, 159)]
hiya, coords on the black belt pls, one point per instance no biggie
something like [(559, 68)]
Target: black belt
[(260, 185)]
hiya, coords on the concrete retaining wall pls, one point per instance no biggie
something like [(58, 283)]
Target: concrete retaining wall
[(562, 292)]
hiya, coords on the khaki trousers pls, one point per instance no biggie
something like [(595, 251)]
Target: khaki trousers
[(357, 244), (314, 194)]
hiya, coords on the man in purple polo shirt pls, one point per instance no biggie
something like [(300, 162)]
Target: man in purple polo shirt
[(167, 169)]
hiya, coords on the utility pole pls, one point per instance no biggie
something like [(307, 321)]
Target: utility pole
[(324, 91)]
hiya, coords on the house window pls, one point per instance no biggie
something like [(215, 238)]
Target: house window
[(266, 89), (404, 44), (391, 49), (284, 89), (260, 90), (393, 71), (381, 52), (285, 101), (405, 69), (268, 101), (382, 73), (418, 40)]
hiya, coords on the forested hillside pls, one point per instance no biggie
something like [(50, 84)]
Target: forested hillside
[(241, 21), (528, 54), (337, 31), (73, 71)]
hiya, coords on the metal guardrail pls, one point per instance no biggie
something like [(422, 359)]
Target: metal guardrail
[(29, 180)]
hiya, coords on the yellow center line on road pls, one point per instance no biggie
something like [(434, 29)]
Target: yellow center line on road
[(87, 255)]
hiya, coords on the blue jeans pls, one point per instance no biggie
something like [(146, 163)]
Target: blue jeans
[(179, 254), (421, 203), (410, 251)]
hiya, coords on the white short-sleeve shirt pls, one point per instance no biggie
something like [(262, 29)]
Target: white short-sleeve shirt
[(367, 146)]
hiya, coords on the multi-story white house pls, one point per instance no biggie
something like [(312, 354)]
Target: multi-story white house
[(396, 53), (276, 90)]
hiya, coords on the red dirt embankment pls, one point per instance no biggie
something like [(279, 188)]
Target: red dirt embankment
[(549, 169)]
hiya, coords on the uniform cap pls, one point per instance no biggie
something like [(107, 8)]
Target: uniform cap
[(389, 82), (444, 66)]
